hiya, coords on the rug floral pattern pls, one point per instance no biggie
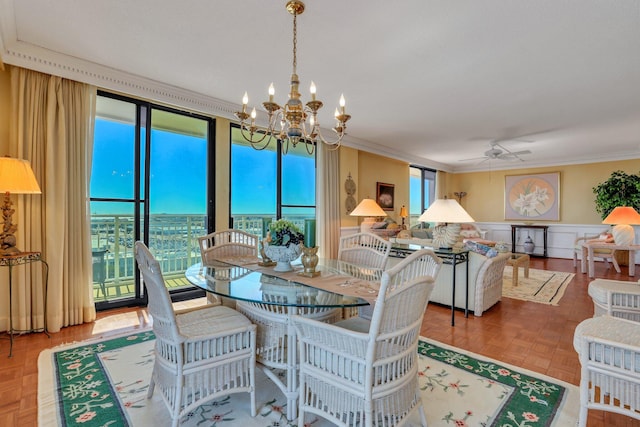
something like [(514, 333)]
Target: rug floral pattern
[(105, 384)]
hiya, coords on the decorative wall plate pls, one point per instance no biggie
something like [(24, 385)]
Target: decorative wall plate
[(350, 186), (350, 204)]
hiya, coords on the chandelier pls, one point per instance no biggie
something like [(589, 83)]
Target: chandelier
[(289, 122)]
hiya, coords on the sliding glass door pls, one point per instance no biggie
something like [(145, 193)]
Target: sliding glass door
[(149, 182)]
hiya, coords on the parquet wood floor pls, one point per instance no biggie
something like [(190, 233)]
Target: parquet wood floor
[(533, 336)]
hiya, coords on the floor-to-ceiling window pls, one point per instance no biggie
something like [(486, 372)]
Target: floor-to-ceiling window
[(422, 190), (267, 185), (150, 175)]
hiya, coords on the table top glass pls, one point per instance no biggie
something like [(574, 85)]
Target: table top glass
[(438, 251), (244, 284)]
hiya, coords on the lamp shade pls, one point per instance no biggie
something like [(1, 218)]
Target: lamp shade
[(16, 176), (368, 207), (403, 212), (623, 215), (445, 210)]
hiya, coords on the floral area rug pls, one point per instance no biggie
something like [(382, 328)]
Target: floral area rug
[(542, 286), (104, 383)]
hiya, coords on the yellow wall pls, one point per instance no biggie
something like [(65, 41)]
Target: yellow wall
[(485, 190), (367, 170)]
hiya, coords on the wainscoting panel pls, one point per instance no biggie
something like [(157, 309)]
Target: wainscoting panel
[(560, 237)]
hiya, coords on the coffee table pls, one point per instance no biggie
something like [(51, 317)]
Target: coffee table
[(518, 260)]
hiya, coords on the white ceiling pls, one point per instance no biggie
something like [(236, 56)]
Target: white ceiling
[(428, 81)]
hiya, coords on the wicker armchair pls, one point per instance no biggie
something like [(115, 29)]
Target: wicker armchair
[(609, 352), (361, 378), (616, 298), (605, 254), (200, 354), (228, 244), (367, 250)]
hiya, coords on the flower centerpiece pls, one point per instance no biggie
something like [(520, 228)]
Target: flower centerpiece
[(283, 243)]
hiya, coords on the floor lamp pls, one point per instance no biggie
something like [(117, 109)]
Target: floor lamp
[(16, 177)]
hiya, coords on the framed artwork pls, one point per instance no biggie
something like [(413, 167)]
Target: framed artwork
[(384, 195), (532, 197)]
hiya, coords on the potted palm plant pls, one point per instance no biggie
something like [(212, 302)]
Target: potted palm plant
[(621, 189)]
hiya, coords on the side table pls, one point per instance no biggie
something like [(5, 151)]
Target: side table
[(515, 261), (20, 259)]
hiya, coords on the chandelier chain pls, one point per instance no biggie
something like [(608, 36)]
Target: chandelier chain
[(295, 43)]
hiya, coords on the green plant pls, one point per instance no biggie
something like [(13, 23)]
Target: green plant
[(284, 233), (621, 189)]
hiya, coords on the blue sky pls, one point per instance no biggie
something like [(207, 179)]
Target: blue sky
[(179, 171)]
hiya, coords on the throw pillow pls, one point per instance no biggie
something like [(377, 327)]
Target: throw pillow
[(481, 249)]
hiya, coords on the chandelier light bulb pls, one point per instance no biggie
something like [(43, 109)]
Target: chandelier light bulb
[(272, 92), (312, 89), (253, 113), (245, 101), (342, 102)]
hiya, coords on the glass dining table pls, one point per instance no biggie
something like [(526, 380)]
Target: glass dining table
[(269, 299)]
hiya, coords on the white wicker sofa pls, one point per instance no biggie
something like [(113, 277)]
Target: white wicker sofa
[(485, 282)]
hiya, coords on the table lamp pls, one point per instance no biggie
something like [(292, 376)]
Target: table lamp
[(623, 217), (403, 215), (444, 211), (16, 176), (369, 209)]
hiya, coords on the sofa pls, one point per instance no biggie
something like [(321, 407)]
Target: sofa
[(485, 283), (450, 235)]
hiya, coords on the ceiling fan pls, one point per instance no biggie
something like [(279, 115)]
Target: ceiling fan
[(499, 152)]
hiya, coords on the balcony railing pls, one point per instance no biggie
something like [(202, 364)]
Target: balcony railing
[(173, 239)]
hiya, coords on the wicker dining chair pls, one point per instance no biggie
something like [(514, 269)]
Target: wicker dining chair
[(200, 354), (365, 250), (227, 244), (361, 378)]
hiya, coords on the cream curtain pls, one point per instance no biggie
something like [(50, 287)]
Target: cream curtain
[(52, 127), (441, 185), (328, 201)]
